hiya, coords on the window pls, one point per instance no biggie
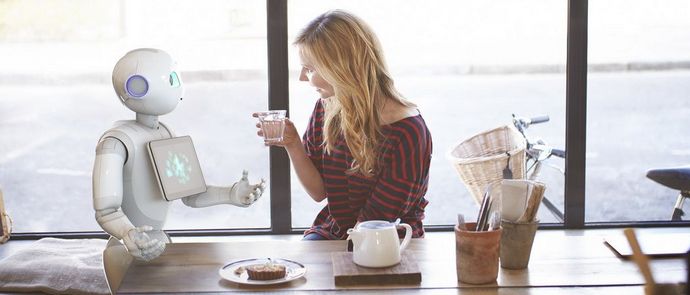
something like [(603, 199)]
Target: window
[(468, 65), (637, 107), (57, 100)]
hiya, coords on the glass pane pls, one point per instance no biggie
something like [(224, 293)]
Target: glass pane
[(57, 100), (637, 106), (468, 65)]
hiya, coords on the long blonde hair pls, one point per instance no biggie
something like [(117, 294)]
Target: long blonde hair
[(348, 55)]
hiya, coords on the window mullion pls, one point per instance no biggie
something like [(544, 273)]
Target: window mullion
[(576, 114), (281, 218)]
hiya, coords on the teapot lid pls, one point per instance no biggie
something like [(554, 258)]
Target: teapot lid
[(376, 224)]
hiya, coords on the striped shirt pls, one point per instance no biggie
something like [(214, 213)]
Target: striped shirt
[(396, 191)]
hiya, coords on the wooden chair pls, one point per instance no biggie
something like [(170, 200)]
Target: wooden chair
[(116, 261)]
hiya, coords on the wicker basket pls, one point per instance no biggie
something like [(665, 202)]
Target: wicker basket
[(480, 160)]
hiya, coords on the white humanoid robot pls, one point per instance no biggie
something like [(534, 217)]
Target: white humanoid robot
[(128, 197)]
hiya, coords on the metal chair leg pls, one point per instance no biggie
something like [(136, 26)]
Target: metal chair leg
[(678, 208)]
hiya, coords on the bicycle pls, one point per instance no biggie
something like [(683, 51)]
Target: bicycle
[(538, 151), (536, 154), (677, 179)]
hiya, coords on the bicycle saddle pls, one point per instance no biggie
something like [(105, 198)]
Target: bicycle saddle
[(675, 178)]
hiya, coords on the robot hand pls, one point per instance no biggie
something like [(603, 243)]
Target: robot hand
[(141, 246), (244, 194)]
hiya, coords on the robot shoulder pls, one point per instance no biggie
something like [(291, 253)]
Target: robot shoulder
[(115, 140), (111, 145)]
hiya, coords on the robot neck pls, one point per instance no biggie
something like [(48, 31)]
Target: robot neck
[(148, 120)]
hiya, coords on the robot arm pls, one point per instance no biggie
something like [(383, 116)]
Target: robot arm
[(107, 187), (241, 194), (107, 201)]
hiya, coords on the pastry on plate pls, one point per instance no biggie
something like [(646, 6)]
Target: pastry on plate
[(265, 271)]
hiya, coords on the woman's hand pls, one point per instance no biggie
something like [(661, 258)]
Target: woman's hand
[(306, 172), (291, 138)]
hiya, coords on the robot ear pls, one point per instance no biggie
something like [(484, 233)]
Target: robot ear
[(137, 86)]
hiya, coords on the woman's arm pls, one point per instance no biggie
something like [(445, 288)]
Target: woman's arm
[(307, 174)]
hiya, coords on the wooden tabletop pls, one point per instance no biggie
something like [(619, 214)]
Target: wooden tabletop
[(560, 259)]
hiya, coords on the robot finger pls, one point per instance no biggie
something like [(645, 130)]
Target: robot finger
[(137, 255), (148, 243), (142, 243), (253, 197), (144, 228), (136, 237), (157, 246), (149, 256), (155, 250), (258, 191), (245, 173), (146, 256)]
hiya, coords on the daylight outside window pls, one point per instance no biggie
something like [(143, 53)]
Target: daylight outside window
[(468, 65), (57, 100), (637, 107)]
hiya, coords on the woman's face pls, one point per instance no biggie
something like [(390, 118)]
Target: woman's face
[(309, 73)]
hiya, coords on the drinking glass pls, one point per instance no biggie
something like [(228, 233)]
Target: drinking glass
[(272, 125)]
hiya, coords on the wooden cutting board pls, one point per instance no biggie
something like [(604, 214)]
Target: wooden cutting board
[(347, 272)]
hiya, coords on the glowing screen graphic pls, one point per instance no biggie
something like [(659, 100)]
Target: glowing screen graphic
[(176, 166)]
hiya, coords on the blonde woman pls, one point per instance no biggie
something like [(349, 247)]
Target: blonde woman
[(367, 149)]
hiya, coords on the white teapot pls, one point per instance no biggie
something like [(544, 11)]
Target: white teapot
[(376, 243)]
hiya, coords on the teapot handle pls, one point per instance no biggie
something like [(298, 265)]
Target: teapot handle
[(408, 236), (349, 238)]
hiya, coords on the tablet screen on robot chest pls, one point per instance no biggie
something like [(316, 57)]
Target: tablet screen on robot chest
[(176, 167)]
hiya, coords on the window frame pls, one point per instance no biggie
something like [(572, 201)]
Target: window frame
[(278, 98)]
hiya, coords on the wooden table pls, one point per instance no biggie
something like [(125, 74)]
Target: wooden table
[(560, 260)]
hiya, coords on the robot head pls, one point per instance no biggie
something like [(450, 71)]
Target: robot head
[(146, 81)]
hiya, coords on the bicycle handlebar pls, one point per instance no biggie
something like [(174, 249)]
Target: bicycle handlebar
[(539, 119), (537, 152), (558, 153), (523, 123)]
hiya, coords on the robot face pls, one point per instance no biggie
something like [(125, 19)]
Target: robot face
[(146, 81)]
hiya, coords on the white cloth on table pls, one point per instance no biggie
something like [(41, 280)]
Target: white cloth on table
[(56, 266)]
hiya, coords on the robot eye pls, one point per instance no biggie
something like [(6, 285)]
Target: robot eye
[(174, 80), (137, 86)]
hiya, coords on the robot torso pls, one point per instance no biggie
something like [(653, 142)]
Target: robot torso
[(142, 200)]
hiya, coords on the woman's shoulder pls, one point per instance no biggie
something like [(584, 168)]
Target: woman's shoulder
[(318, 111), (395, 112), (415, 122), (410, 128), (319, 105)]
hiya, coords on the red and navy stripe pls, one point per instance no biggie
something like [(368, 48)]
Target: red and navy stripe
[(397, 191)]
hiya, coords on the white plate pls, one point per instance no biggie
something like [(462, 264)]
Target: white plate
[(293, 270)]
